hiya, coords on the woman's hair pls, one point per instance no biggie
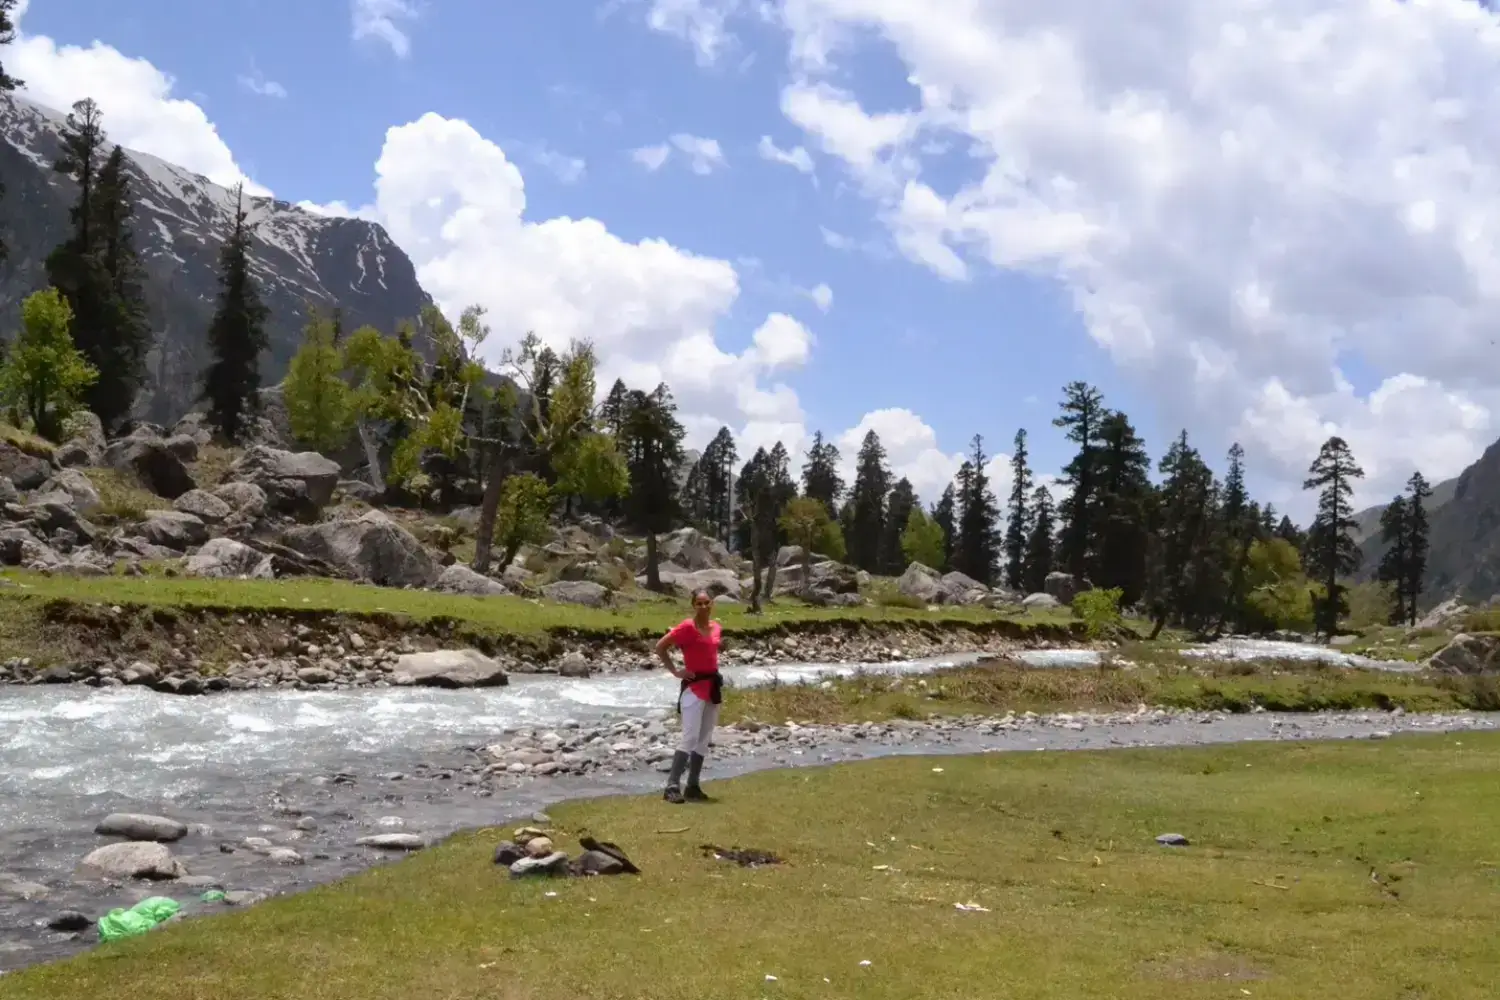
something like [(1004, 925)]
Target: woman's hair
[(700, 592)]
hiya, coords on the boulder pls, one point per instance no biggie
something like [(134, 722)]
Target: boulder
[(591, 595), (244, 498), (85, 441), (460, 579), (693, 550), (921, 583), (19, 547), (1449, 611), (172, 529), (682, 582), (392, 842), (8, 491), (599, 863), (574, 664), (195, 426), (1468, 654), (1040, 602), (77, 488), (184, 446), (958, 588), (136, 827), (449, 668), (227, 559), (273, 470), (203, 505), (1063, 586), (555, 863), (369, 547), (131, 859), (152, 463), (26, 471), (86, 562)]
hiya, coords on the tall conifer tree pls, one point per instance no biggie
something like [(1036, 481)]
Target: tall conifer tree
[(236, 335)]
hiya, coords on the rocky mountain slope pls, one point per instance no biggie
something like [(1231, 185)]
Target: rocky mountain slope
[(1367, 534), (181, 221)]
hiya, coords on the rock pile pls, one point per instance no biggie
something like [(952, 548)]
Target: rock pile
[(532, 852)]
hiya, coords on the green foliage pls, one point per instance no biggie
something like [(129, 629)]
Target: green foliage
[(236, 335), (593, 468), (320, 404), (922, 540), (1279, 595), (1369, 604), (806, 523), (525, 502), (44, 376), (1099, 610)]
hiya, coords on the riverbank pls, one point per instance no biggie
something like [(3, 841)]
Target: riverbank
[(904, 884), (195, 636)]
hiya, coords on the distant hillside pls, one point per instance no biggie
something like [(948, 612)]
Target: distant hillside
[(180, 223), (1368, 531)]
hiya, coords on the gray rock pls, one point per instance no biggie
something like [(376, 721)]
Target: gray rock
[(921, 583), (85, 441), (133, 826), (460, 579), (582, 592), (172, 529), (243, 897), (1063, 586), (18, 888), (718, 582), (392, 842), (1468, 654), (284, 856), (693, 550), (203, 505), (244, 498), (574, 664), (226, 559), (129, 860), (369, 547), (78, 489), (27, 472), (449, 668), (151, 462), (599, 863), (267, 467), (508, 852), (1040, 602), (1172, 840), (553, 864), (184, 446)]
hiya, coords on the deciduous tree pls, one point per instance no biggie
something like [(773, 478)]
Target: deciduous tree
[(44, 376)]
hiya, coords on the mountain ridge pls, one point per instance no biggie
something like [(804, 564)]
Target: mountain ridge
[(181, 219)]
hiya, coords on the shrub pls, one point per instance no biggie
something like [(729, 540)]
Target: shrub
[(1099, 610)]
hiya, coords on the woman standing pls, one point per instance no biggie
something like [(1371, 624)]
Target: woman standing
[(700, 696)]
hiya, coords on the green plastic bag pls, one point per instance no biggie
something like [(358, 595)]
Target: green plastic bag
[(140, 918), (213, 896)]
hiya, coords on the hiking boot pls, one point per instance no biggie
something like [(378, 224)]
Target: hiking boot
[(673, 793), (695, 772)]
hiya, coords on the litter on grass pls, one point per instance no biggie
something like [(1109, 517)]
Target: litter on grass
[(970, 908)]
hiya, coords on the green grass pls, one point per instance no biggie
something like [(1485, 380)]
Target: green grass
[(1003, 686), (1274, 899)]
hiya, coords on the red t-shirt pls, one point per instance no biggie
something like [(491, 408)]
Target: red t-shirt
[(700, 653)]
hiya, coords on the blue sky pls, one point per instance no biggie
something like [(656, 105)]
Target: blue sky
[(1041, 205)]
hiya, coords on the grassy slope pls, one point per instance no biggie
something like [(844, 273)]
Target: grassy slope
[(996, 688), (1274, 900)]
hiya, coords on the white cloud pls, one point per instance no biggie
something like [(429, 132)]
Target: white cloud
[(782, 342), (381, 20), (140, 111), (797, 158), (1207, 183), (822, 297), (704, 155), (567, 169), (653, 158), (700, 23), (256, 83)]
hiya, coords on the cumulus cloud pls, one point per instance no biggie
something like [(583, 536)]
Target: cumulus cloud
[(382, 20), (701, 23), (822, 297), (797, 158), (703, 156), (137, 100), (1209, 184), (653, 158)]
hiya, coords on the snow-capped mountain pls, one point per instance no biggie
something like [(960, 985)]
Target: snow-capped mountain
[(181, 221)]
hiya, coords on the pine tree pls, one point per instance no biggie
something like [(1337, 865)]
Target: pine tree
[(1184, 562), (1039, 547), (977, 549), (1289, 532), (782, 490), (1018, 514), (1331, 551), (872, 482), (236, 335), (1082, 415), (820, 474), (1242, 527), (945, 516), (7, 35), (1124, 498), (118, 347), (1404, 528), (651, 441), (613, 410), (902, 501), (718, 472)]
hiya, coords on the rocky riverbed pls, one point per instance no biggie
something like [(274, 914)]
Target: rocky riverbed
[(277, 789)]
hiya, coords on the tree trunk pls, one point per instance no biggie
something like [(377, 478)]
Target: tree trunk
[(508, 557), (372, 456), (755, 548), (653, 572), (1159, 624), (770, 589), (489, 510)]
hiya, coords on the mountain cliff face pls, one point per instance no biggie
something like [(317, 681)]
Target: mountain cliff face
[(181, 220)]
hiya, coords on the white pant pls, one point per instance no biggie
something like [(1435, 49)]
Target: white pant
[(698, 720)]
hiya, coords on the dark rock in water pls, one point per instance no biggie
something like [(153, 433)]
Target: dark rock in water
[(137, 827), (57, 675), (508, 852), (1172, 840), (70, 922)]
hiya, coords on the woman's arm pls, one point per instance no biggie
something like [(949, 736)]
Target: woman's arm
[(664, 647)]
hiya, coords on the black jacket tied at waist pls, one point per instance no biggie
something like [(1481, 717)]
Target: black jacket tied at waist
[(715, 696)]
